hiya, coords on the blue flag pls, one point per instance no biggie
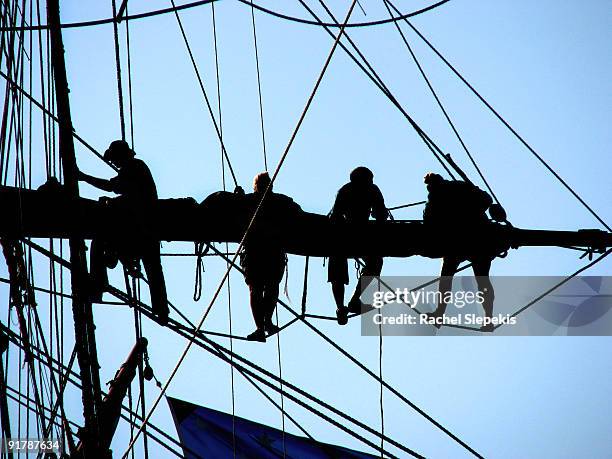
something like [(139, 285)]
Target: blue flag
[(211, 434)]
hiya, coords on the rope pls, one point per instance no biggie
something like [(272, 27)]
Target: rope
[(201, 83), (241, 245), (506, 124), (265, 158), (439, 102), (206, 344), (335, 24), (311, 409), (129, 72), (72, 377), (150, 315), (559, 284), (280, 376), (96, 22), (201, 249), (305, 287), (261, 115), (374, 376), (229, 289), (148, 14), (52, 116), (412, 204), (118, 67), (184, 332), (380, 374), (377, 80)]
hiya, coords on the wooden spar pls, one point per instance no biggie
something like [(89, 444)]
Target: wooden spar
[(81, 306), (223, 217), (110, 412)]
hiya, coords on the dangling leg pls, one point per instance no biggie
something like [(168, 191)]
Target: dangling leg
[(97, 270), (449, 268), (270, 298), (481, 267), (157, 285), (372, 268), (338, 292), (337, 275), (256, 291)]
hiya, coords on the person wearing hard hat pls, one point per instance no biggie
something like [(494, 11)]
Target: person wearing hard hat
[(137, 198)]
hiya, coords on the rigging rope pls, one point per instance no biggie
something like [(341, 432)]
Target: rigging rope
[(265, 158), (129, 72), (439, 102), (52, 116), (72, 377), (118, 67), (191, 336), (559, 284), (506, 123), (148, 14), (261, 114), (205, 344), (372, 374), (229, 289), (305, 285), (201, 83), (241, 245), (382, 389), (377, 80)]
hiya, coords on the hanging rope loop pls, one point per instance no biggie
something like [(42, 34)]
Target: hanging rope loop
[(201, 249)]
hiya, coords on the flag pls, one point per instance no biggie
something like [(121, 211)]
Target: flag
[(211, 434)]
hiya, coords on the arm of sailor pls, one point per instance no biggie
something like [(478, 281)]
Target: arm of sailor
[(102, 184), (379, 210)]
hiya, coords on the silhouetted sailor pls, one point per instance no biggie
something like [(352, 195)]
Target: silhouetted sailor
[(355, 202), (137, 197), (452, 204), (264, 259)]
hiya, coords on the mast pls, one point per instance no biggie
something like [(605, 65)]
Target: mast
[(81, 305)]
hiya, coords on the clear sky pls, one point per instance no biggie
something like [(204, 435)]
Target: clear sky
[(544, 65)]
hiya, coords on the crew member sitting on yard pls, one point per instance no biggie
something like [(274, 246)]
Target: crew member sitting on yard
[(454, 203), (355, 202)]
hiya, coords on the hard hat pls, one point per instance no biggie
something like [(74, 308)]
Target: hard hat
[(118, 149)]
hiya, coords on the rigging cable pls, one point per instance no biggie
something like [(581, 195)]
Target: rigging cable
[(261, 114), (265, 158), (439, 102), (129, 72), (206, 343), (57, 367), (134, 291), (377, 80), (201, 83), (52, 116), (96, 22), (118, 67), (375, 377), (507, 124), (241, 245), (382, 388), (559, 284), (229, 289)]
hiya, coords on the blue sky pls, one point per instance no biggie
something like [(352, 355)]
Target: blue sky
[(544, 65)]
